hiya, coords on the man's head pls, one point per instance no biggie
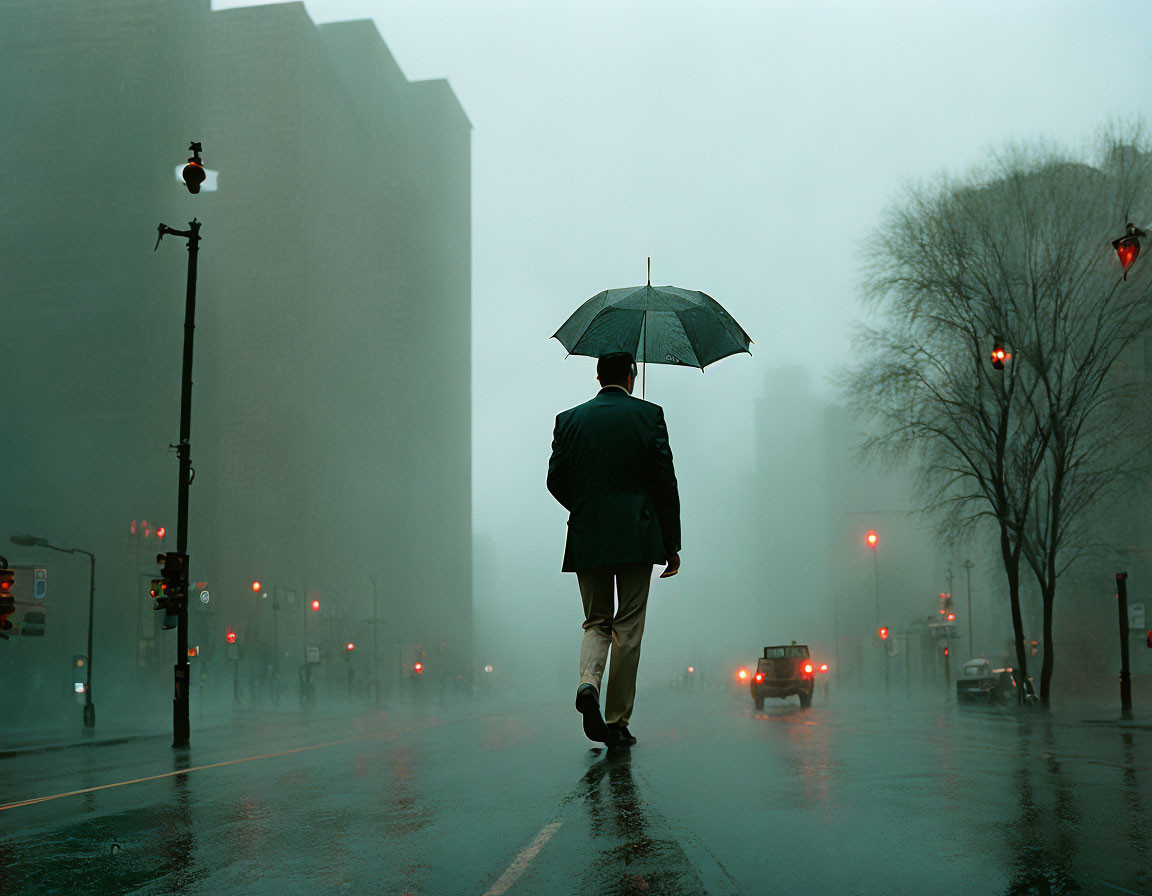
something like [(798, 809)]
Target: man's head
[(617, 369)]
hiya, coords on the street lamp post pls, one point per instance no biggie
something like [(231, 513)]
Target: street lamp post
[(968, 564), (873, 540), (33, 541), (180, 725)]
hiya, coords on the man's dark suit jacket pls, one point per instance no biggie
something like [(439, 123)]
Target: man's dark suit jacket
[(611, 468)]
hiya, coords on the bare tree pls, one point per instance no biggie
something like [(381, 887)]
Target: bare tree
[(1016, 256)]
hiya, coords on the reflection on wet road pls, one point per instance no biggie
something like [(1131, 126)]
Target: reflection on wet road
[(715, 799)]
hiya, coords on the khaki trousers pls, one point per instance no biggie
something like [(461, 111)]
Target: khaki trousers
[(622, 630)]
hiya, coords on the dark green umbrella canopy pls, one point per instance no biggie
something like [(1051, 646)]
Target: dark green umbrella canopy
[(655, 324)]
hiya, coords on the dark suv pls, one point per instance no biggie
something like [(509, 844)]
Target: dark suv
[(784, 670)]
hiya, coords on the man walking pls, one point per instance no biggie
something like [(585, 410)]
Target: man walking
[(611, 468)]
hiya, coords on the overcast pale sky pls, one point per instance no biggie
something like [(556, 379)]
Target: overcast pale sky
[(747, 147)]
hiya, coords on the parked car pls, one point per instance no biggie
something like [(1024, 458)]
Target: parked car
[(980, 683), (784, 670)]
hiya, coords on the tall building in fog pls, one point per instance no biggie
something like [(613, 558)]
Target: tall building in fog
[(817, 501), (331, 411)]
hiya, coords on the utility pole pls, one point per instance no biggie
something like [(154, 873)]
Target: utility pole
[(1125, 672), (193, 176)]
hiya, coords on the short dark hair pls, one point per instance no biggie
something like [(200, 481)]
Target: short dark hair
[(614, 369)]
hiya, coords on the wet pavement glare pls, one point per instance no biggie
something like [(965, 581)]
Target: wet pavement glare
[(716, 798)]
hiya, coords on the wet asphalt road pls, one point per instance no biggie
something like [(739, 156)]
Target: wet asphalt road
[(715, 799)]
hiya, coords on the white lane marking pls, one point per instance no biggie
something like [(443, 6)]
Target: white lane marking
[(181, 771), (521, 864)]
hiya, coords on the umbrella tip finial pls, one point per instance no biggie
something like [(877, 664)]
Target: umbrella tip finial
[(649, 270)]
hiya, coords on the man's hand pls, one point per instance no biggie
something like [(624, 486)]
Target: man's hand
[(673, 566)]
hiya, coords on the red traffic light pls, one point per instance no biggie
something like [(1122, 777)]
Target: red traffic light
[(1000, 355), (418, 668), (951, 617), (349, 646), (256, 587), (883, 632), (230, 637), (161, 532), (871, 538), (193, 175), (1128, 247), (316, 606), (193, 172)]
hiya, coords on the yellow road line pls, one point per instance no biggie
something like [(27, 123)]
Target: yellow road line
[(183, 771)]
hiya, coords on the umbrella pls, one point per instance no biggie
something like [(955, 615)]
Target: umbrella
[(661, 324)]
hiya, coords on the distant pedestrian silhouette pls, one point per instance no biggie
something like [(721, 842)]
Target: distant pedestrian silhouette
[(611, 468)]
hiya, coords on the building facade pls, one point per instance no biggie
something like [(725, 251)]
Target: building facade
[(331, 411)]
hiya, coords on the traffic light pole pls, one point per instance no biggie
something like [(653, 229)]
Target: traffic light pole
[(180, 725)]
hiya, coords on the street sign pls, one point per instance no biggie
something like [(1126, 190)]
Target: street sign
[(313, 654), (1135, 616)]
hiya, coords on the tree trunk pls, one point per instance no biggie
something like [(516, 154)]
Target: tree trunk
[(1012, 570), (1046, 667)]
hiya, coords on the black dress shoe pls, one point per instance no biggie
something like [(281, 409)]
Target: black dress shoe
[(588, 703), (619, 736)]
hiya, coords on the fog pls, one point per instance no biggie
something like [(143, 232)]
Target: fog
[(747, 148), (376, 664)]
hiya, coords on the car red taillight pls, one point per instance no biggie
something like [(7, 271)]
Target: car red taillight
[(759, 676), (807, 668)]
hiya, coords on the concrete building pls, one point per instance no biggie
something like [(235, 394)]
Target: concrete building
[(331, 410)]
